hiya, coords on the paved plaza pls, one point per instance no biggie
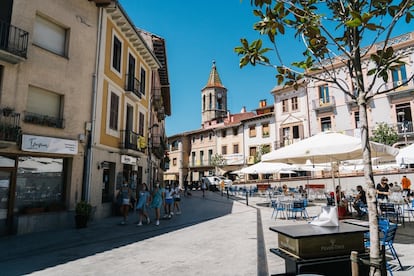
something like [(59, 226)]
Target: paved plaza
[(215, 235)]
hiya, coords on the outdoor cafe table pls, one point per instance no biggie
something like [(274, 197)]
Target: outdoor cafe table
[(307, 248)]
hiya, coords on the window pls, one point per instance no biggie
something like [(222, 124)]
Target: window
[(326, 124), (201, 158), (114, 112), (44, 107), (50, 36), (356, 118), (174, 145), (143, 81), (204, 102), (399, 75), (201, 137), (252, 131), (295, 132), (116, 54), (285, 105), (265, 130), (236, 148), (210, 136), (295, 105), (210, 102), (323, 95), (193, 139), (210, 156), (193, 158), (223, 149), (42, 185), (141, 124), (223, 133), (235, 131), (174, 162)]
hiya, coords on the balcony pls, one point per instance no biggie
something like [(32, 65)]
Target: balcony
[(13, 43), (400, 92), (132, 86), (324, 104), (43, 120), (133, 141), (9, 125), (405, 128)]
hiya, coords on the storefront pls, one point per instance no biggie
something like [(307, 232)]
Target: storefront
[(35, 184)]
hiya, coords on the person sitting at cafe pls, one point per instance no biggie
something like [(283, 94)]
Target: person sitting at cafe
[(285, 191), (383, 190), (360, 200), (341, 202)]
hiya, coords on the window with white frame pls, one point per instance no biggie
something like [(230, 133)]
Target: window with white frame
[(265, 130), (143, 81), (236, 148), (324, 95), (49, 35), (116, 54), (114, 112)]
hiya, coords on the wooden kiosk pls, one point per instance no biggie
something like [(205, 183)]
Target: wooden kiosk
[(320, 250)]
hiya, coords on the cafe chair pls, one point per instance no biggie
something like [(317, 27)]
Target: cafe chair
[(389, 210), (278, 207), (298, 207), (410, 210), (387, 235)]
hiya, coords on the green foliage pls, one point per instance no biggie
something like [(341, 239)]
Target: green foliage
[(263, 149), (83, 208), (328, 29), (217, 160), (384, 134)]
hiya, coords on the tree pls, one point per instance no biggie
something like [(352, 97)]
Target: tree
[(384, 134), (217, 160), (333, 33)]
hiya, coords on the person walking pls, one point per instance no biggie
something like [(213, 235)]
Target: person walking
[(383, 190), (406, 186), (125, 195), (204, 186), (156, 202), (142, 205), (177, 198), (168, 200)]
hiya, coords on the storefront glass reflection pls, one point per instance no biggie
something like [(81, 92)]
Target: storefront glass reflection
[(39, 184)]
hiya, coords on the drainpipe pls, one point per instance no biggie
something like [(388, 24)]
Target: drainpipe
[(91, 136)]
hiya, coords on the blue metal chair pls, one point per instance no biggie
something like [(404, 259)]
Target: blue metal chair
[(298, 207), (387, 235), (277, 207)]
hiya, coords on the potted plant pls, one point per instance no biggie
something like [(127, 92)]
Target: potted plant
[(83, 214)]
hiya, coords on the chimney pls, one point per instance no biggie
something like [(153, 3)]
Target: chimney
[(243, 110), (262, 103)]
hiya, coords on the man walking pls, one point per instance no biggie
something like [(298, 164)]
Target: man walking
[(406, 185)]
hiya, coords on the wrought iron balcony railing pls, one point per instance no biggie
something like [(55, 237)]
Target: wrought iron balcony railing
[(13, 41), (133, 141), (9, 125), (133, 85), (43, 120)]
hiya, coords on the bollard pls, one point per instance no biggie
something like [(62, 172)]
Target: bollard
[(247, 198), (354, 263)]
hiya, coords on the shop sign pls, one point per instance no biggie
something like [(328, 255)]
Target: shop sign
[(129, 160), (35, 143)]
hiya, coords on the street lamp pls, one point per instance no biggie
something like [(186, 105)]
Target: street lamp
[(149, 165), (404, 128)]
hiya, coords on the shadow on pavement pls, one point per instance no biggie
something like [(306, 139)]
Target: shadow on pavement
[(28, 253)]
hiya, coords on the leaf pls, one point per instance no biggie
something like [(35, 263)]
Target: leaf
[(353, 23)]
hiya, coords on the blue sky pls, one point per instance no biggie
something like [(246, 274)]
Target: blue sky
[(198, 32)]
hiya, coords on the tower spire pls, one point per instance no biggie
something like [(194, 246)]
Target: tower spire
[(214, 78)]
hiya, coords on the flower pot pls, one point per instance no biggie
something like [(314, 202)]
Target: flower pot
[(81, 221)]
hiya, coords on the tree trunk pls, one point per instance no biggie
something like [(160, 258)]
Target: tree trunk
[(371, 192)]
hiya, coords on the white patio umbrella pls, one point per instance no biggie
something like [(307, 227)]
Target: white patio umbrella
[(267, 168), (405, 156), (326, 147)]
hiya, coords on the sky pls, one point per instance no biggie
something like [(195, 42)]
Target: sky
[(198, 33)]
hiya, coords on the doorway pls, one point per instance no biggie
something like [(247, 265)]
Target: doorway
[(6, 212)]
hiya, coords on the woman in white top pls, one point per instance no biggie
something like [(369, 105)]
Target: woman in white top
[(177, 198), (168, 200)]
